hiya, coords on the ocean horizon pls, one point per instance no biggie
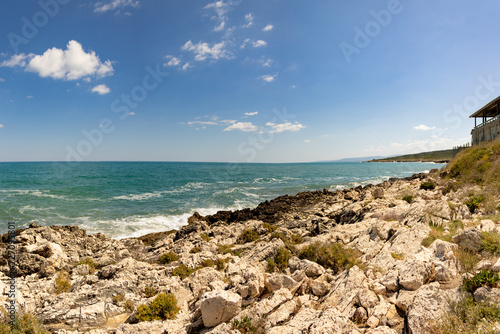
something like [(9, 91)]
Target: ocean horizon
[(132, 198)]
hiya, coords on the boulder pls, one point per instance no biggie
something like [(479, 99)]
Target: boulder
[(470, 239), (414, 273), (219, 306)]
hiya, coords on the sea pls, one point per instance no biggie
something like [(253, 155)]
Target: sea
[(130, 199)]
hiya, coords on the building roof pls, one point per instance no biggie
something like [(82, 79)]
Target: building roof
[(489, 110)]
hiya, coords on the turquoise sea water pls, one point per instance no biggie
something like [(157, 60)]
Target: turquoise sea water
[(123, 199)]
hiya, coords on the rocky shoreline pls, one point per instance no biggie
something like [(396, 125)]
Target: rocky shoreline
[(265, 270)]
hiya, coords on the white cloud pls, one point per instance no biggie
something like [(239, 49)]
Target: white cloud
[(249, 18), (423, 127), (258, 44), (70, 64), (201, 122), (278, 128), (268, 77), (220, 8), (269, 27), (101, 89), (203, 50), (131, 113), (101, 7), (228, 121), (267, 63), (29, 97), (185, 66), (307, 140), (251, 113), (2, 80), (242, 46), (173, 61), (1, 126), (242, 126), (17, 60)]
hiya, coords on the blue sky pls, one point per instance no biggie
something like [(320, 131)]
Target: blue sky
[(247, 81)]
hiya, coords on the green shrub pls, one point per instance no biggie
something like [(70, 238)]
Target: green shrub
[(62, 283), (467, 316), (22, 324), (163, 307), (491, 243), (427, 186), (473, 202), (205, 237), (279, 261), (225, 249), (150, 292), (270, 228), (168, 258), (129, 305), (195, 250), (249, 235), (183, 271), (220, 264), (437, 232), (207, 263), (117, 299), (281, 236), (408, 199), (244, 325), (296, 239), (483, 278), (468, 259), (90, 263), (334, 256)]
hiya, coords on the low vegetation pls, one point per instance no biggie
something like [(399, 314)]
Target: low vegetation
[(279, 261), (333, 255), (437, 232), (150, 292), (62, 283), (22, 324), (249, 235), (270, 228), (483, 278), (195, 250), (473, 202), (491, 243), (90, 263), (244, 325), (397, 256), (163, 307), (408, 199), (183, 271), (168, 258), (427, 186), (205, 237)]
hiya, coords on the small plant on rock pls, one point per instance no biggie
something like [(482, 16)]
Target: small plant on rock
[(150, 292), (183, 271), (279, 261), (249, 235), (163, 307), (90, 263), (296, 239), (270, 228), (168, 258), (244, 325), (483, 278), (117, 299), (491, 243), (427, 186), (473, 202), (207, 263), (62, 282), (22, 324), (397, 256), (195, 250), (408, 199), (205, 237), (334, 256)]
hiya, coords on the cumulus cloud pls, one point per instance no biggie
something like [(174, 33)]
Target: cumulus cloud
[(269, 27), (423, 127), (307, 140), (267, 62), (251, 113), (102, 7), (101, 89), (185, 66), (258, 44), (278, 128), (220, 8), (203, 51), (172, 61), (242, 126), (70, 64), (268, 77), (249, 18)]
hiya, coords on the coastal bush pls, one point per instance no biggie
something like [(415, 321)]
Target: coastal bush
[(334, 255), (183, 271), (437, 232), (468, 259), (249, 235), (281, 236), (22, 324), (205, 237), (207, 263), (168, 258), (195, 250), (473, 202), (408, 199), (150, 292), (90, 263), (468, 316), (117, 299), (279, 261), (220, 264), (427, 186), (62, 283), (225, 249), (129, 305), (483, 278), (163, 307), (270, 228), (244, 325), (491, 243), (296, 239)]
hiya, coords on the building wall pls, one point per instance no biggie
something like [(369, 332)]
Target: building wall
[(486, 132)]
